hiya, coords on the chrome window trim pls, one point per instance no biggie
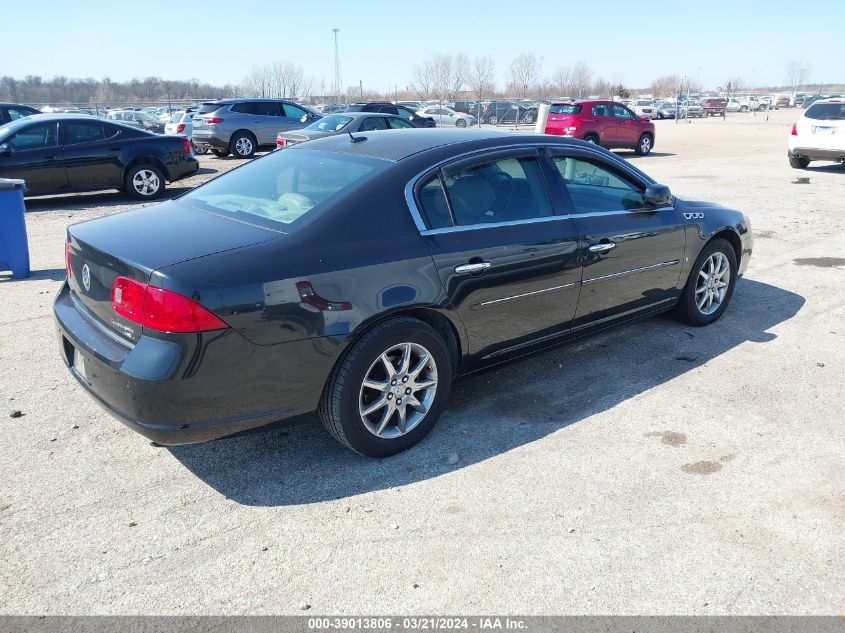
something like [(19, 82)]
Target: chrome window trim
[(524, 294), (493, 225), (410, 199), (630, 271)]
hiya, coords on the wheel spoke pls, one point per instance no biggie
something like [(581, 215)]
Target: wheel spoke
[(700, 303), (422, 364), (375, 406), (385, 418), (402, 418), (376, 385), (388, 366), (416, 404), (423, 384), (405, 361)]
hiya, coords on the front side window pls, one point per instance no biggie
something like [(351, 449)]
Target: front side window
[(506, 190), (293, 111), (595, 189), (35, 137), (405, 114), (398, 124), (282, 187), (621, 112), (18, 113)]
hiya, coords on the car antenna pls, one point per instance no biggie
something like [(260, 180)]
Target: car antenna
[(355, 139)]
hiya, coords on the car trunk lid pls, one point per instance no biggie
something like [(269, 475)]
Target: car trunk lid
[(136, 243)]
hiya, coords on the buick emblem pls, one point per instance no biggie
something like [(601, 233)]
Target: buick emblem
[(86, 277)]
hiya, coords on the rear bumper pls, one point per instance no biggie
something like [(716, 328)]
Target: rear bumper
[(187, 166), (190, 388), (817, 153), (211, 139)]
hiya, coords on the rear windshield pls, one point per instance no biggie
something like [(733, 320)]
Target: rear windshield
[(826, 112), (205, 108), (282, 187), (176, 117), (565, 109)]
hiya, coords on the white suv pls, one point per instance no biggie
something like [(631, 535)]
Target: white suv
[(819, 134)]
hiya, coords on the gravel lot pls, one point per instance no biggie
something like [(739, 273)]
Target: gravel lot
[(654, 469)]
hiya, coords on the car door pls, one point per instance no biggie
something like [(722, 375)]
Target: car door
[(269, 119), (292, 116), (605, 123), (91, 152), (372, 123), (624, 125), (632, 252), (434, 113), (508, 263), (34, 155)]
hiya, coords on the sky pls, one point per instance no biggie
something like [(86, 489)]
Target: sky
[(218, 41)]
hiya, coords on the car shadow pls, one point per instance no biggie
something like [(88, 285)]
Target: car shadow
[(835, 168), (53, 274), (632, 155), (297, 462), (112, 198)]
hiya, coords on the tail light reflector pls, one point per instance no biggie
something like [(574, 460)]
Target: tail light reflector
[(186, 146), (180, 128), (794, 129), (160, 309), (211, 120), (67, 261), (280, 143)]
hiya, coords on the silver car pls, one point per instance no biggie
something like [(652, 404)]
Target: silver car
[(348, 122), (243, 126), (447, 117)]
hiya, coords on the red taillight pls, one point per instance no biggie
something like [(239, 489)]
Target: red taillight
[(280, 143), (186, 146), (794, 129), (67, 260), (180, 128), (211, 120), (160, 309)]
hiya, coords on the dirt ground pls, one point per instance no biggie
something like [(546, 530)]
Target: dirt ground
[(653, 469)]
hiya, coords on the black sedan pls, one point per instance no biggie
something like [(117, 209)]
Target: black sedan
[(360, 278), (61, 153), (333, 124)]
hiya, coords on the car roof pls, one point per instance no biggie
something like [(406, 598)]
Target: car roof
[(229, 100), (396, 145)]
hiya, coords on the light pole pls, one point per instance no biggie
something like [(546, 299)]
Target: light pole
[(336, 67)]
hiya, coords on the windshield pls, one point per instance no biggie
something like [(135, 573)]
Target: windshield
[(826, 112), (565, 109), (282, 187), (333, 123)]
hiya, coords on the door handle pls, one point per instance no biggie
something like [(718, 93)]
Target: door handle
[(475, 267), (603, 247)]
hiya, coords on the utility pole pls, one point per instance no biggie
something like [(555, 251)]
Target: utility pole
[(337, 81)]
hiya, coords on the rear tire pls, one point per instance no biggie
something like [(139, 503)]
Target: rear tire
[(592, 138), (243, 145), (198, 150), (461, 123), (362, 382), (144, 182), (689, 308), (220, 153), (798, 162)]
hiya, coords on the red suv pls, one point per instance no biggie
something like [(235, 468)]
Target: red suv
[(605, 123)]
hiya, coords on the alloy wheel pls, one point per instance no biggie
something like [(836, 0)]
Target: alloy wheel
[(146, 182), (398, 390), (712, 284), (645, 145), (243, 146)]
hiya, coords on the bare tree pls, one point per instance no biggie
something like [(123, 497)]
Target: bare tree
[(582, 78), (562, 81), (797, 73), (734, 85), (424, 80), (524, 71), (666, 86), (602, 88), (482, 77)]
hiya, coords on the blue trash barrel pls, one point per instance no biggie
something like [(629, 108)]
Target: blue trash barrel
[(14, 249)]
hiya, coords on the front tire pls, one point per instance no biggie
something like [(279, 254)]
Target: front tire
[(389, 389), (461, 123), (243, 145), (592, 138), (798, 162), (144, 182), (644, 145), (220, 153), (710, 285)]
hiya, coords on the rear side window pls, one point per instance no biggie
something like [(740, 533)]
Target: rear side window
[(826, 112), (19, 113), (266, 108), (389, 109), (565, 109), (242, 108), (600, 110), (594, 188), (82, 132), (433, 204), (282, 187), (373, 123), (506, 190)]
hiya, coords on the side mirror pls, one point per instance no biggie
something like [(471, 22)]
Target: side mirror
[(5, 150), (657, 195)]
